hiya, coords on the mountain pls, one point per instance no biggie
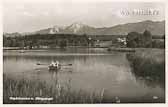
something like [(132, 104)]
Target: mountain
[(79, 28), (12, 34), (75, 28), (53, 30), (155, 27)]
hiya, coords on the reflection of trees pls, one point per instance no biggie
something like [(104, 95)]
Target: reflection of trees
[(148, 70), (150, 80)]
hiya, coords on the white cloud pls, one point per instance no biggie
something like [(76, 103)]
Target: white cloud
[(45, 13), (20, 7), (27, 13)]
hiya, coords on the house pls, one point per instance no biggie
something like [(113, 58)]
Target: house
[(121, 41), (99, 43)]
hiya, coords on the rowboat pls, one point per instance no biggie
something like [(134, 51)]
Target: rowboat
[(21, 51), (54, 68)]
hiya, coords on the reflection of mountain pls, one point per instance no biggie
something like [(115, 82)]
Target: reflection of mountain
[(155, 27)]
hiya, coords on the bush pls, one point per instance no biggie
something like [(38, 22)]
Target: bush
[(158, 43)]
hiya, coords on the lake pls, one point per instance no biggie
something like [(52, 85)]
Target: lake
[(92, 70)]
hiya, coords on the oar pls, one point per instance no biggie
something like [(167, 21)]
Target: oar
[(67, 65), (42, 64), (60, 65)]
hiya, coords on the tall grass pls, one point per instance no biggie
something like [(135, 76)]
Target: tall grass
[(149, 64), (30, 88)]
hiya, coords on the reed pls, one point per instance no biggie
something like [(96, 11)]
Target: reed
[(33, 89), (149, 64)]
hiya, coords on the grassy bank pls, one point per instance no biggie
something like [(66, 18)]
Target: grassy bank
[(149, 64), (32, 89)]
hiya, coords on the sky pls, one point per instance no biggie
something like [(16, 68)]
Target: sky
[(32, 15)]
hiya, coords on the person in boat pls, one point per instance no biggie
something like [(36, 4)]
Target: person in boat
[(55, 64)]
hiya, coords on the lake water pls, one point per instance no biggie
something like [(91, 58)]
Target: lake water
[(92, 70)]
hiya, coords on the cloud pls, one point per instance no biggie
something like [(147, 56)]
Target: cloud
[(28, 14), (45, 13), (20, 7)]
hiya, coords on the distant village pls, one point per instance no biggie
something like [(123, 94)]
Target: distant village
[(39, 41), (62, 41)]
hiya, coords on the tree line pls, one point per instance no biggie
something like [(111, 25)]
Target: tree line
[(144, 40), (50, 40), (133, 40)]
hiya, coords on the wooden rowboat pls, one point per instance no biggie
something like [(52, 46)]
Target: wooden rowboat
[(54, 68)]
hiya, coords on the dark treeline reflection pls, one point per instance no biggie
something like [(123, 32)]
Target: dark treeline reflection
[(146, 69)]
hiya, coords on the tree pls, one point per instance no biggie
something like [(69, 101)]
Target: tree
[(132, 39), (63, 44), (146, 39), (135, 39)]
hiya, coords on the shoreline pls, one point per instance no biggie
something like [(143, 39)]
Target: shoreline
[(106, 49), (19, 48)]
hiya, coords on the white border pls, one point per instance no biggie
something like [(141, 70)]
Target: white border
[(77, 105)]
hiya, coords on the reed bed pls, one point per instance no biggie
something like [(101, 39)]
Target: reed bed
[(149, 63), (33, 89)]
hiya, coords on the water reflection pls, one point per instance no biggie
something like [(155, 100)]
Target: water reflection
[(93, 72), (148, 71)]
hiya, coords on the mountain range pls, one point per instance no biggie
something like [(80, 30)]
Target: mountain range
[(155, 27)]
